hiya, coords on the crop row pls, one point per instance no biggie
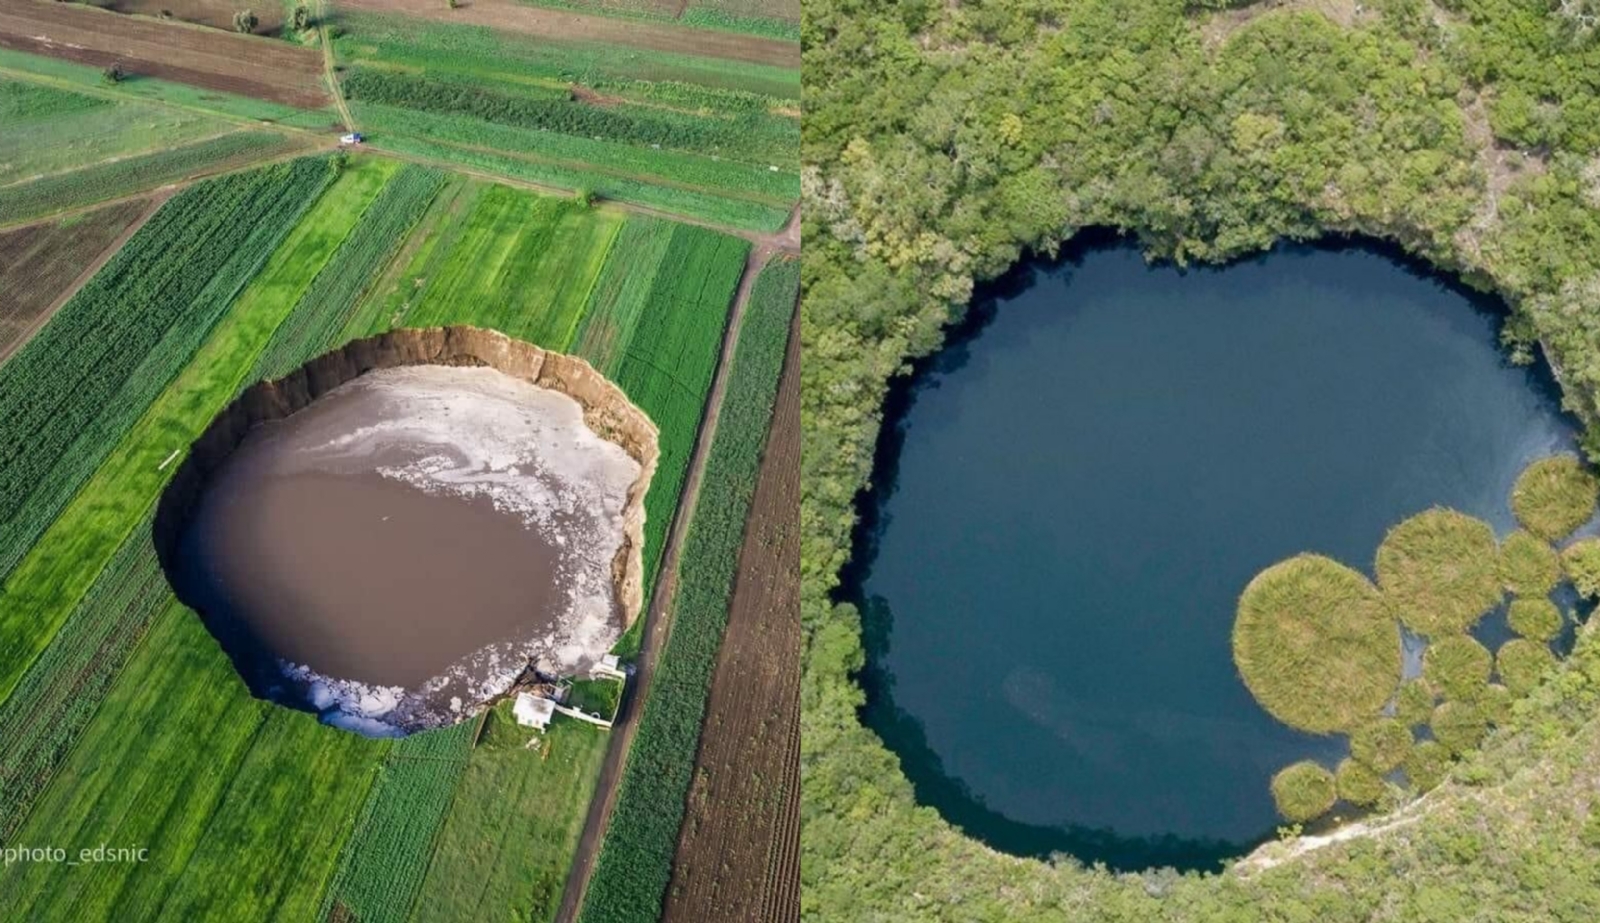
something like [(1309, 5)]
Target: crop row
[(59, 694), (689, 202), (751, 137), (61, 191), (623, 291), (485, 53), (672, 357), (384, 862), (335, 292), (725, 177), (70, 393), (635, 862)]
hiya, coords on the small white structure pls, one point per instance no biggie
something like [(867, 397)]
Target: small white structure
[(532, 711), (608, 666), (353, 137)]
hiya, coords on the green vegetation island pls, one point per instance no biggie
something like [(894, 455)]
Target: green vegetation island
[(943, 143)]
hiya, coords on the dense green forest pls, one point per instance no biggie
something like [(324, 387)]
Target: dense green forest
[(945, 140)]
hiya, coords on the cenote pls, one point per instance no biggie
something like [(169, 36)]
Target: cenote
[(410, 542), (1071, 495)]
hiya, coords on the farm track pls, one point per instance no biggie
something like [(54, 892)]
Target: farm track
[(738, 850), (559, 25), (30, 276), (658, 622), (245, 65)]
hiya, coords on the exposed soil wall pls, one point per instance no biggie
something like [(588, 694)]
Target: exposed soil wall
[(606, 410)]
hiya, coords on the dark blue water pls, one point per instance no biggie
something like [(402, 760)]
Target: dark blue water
[(1072, 495)]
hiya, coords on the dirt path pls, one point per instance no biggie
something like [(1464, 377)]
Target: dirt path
[(560, 25), (658, 618), (738, 850), (330, 70)]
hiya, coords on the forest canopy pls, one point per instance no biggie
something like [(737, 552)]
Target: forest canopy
[(944, 141)]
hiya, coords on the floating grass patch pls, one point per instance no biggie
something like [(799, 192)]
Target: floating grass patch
[(1358, 784), (1495, 702), (1382, 745), (1535, 619), (1414, 702), (1458, 666), (1427, 764), (1439, 571), (1315, 646), (1522, 663), (1304, 791), (1528, 565), (1459, 725), (1581, 561), (1554, 496)]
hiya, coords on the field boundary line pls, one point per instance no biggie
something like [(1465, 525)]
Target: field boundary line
[(330, 66), (658, 626), (87, 90), (117, 158), (172, 188), (158, 199)]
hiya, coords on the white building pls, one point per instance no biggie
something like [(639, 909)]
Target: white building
[(533, 711)]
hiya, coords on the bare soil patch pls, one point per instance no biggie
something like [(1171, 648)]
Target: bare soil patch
[(559, 25), (738, 850), (231, 63), (41, 265), (218, 14)]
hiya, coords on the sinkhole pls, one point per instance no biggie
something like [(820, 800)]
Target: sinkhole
[(1069, 498), (401, 530)]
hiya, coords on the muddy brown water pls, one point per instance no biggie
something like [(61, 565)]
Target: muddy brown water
[(400, 550)]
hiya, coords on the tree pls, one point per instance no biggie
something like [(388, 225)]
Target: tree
[(245, 21), (112, 74), (300, 19), (584, 196)]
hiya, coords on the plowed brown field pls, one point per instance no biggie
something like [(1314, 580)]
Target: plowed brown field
[(739, 850), (41, 264), (239, 64), (559, 25)]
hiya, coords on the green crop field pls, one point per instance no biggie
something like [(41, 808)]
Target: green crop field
[(636, 859), (51, 130), (714, 140), (122, 723)]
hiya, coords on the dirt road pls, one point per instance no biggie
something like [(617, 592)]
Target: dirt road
[(738, 852), (658, 618)]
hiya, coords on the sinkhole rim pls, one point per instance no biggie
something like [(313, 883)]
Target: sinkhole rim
[(898, 732), (607, 411)]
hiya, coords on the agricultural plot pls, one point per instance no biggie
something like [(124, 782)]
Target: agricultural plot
[(50, 130), (110, 179), (737, 855), (681, 134), (632, 874), (214, 60), (39, 263), (121, 721), (217, 14), (514, 825)]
